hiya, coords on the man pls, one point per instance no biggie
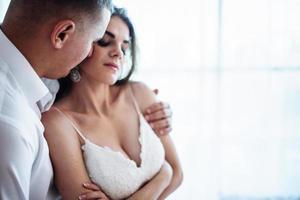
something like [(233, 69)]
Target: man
[(38, 38), (42, 38)]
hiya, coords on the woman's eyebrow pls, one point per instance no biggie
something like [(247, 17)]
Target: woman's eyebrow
[(110, 34)]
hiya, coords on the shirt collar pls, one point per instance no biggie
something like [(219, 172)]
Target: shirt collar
[(30, 83), (47, 101)]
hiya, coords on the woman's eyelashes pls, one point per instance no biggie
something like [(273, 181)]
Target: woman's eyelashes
[(124, 51), (105, 43)]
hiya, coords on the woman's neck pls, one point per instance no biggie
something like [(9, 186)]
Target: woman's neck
[(92, 97)]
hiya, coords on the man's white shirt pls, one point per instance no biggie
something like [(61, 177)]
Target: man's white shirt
[(25, 167)]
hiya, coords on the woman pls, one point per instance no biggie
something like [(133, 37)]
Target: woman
[(97, 131)]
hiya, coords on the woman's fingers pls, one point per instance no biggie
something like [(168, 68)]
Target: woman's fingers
[(93, 195), (91, 186), (95, 192)]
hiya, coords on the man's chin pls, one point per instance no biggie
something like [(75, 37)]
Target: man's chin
[(65, 75), (56, 76)]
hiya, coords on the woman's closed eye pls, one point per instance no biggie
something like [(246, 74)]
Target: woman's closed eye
[(103, 43), (125, 47), (124, 50)]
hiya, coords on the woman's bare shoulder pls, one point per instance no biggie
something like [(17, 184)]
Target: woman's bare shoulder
[(143, 94), (52, 116), (55, 123)]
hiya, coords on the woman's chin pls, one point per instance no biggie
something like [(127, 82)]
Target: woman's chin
[(111, 81), (114, 82)]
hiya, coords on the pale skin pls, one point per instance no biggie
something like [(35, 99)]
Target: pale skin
[(101, 109)]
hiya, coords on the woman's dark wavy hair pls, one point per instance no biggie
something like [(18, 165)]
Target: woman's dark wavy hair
[(122, 14), (66, 83)]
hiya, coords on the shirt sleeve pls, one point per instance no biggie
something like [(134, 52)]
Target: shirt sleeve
[(16, 160)]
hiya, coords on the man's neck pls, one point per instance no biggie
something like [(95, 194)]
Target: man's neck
[(25, 46)]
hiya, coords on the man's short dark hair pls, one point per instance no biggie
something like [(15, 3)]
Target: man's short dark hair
[(39, 11)]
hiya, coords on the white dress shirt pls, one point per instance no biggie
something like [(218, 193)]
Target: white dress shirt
[(25, 167)]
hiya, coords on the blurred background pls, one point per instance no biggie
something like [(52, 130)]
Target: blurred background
[(231, 72)]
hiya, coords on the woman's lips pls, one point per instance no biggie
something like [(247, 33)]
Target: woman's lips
[(112, 65)]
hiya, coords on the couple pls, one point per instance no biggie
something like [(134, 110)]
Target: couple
[(120, 152)]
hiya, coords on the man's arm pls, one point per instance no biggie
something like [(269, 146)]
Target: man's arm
[(16, 160)]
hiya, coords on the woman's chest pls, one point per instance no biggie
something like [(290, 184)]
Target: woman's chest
[(119, 133)]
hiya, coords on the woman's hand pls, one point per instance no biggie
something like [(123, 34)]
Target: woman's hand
[(153, 189), (94, 193), (159, 116)]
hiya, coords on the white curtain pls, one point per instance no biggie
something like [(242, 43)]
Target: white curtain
[(231, 71)]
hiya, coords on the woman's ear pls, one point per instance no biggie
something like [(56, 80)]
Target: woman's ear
[(61, 32)]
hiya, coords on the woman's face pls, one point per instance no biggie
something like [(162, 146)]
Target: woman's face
[(108, 55)]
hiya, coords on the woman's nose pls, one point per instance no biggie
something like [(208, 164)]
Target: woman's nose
[(117, 52)]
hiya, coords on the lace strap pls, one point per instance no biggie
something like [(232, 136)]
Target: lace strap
[(136, 105), (71, 122)]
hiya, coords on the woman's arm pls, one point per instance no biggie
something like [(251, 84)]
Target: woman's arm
[(145, 98), (66, 156), (153, 189), (165, 182), (173, 160)]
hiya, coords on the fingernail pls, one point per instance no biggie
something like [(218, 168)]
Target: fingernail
[(148, 111), (81, 197)]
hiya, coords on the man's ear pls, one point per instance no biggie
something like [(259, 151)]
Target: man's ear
[(61, 32)]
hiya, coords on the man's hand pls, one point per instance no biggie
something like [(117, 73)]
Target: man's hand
[(159, 116)]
